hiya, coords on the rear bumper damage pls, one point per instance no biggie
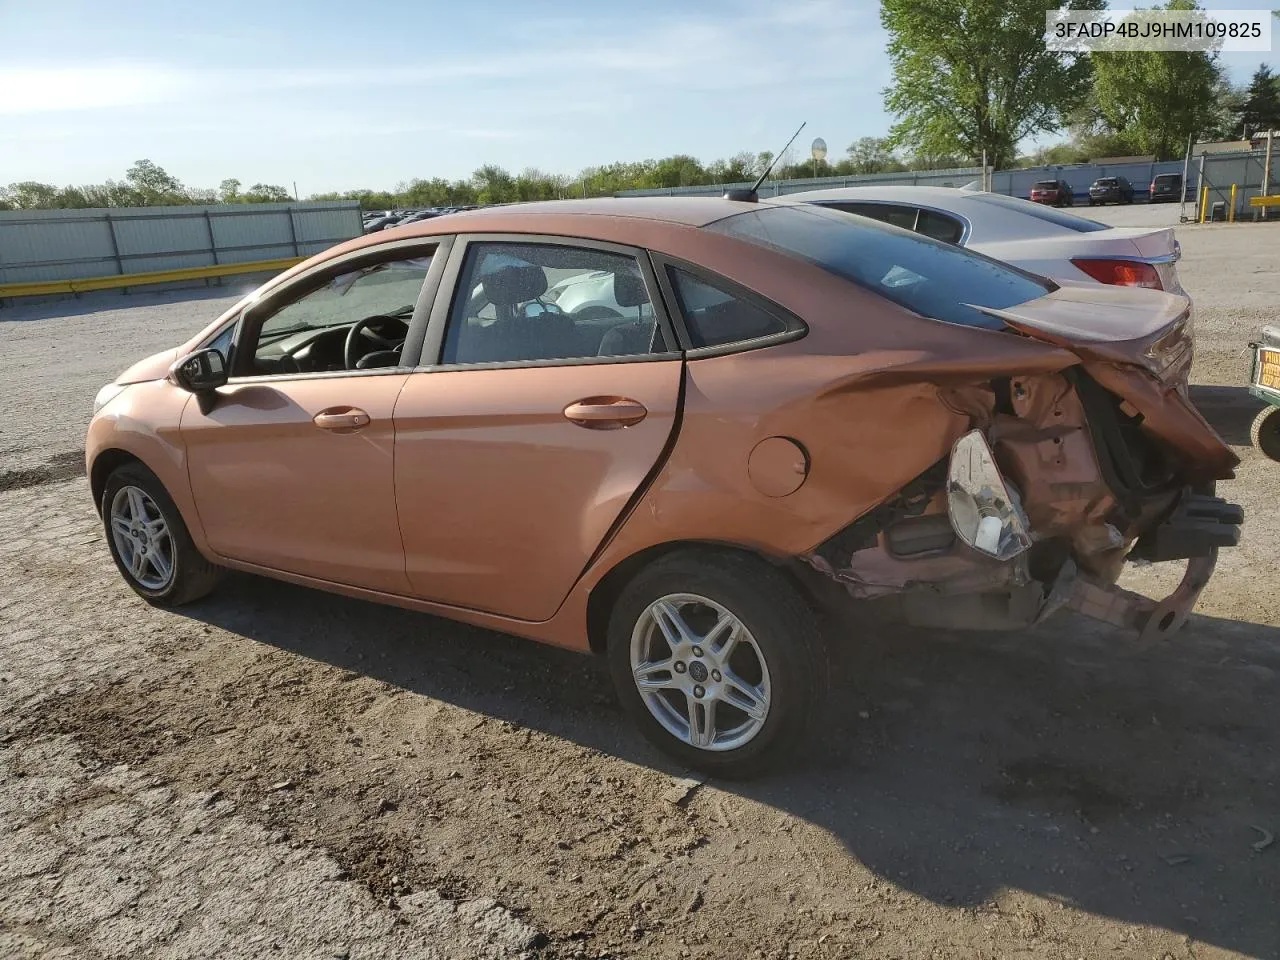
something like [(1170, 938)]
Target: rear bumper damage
[(1037, 510)]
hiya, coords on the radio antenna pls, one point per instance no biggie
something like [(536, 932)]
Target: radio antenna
[(752, 195)]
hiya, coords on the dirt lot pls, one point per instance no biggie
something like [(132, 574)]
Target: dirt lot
[(277, 772)]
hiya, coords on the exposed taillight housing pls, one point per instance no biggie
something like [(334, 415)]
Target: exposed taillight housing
[(1122, 273)]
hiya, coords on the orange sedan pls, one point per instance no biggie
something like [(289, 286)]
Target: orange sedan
[(667, 431)]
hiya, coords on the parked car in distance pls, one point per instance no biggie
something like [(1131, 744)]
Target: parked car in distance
[(798, 409), (1166, 188), (1052, 243), (1055, 193), (1110, 190), (379, 223)]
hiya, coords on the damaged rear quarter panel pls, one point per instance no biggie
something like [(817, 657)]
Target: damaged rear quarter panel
[(872, 413)]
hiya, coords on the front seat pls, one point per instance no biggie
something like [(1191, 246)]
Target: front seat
[(513, 336), (638, 336)]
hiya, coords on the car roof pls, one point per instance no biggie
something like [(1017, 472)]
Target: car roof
[(904, 193), (651, 222), (690, 211)]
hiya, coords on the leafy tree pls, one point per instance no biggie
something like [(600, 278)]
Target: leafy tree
[(1260, 109), (975, 75), (679, 171), (872, 155), (267, 193), (229, 190), (153, 185), (30, 195), (1224, 116), (494, 185), (1156, 99)]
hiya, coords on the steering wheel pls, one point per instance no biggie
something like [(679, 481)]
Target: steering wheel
[(354, 348)]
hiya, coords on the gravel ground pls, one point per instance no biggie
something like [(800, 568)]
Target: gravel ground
[(366, 781)]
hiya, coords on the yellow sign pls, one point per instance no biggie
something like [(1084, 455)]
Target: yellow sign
[(1269, 369)]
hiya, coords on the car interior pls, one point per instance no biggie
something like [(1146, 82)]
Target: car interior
[(531, 302), (355, 321)]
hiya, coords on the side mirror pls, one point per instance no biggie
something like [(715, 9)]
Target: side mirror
[(201, 371), (985, 512)]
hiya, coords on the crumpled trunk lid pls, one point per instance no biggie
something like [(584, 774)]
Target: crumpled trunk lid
[(1137, 345)]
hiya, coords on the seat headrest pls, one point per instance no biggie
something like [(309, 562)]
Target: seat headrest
[(628, 290), (508, 286)]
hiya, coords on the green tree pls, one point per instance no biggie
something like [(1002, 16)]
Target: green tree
[(229, 190), (267, 193), (1156, 99), (872, 155), (680, 170), (494, 185), (1260, 106), (30, 195), (153, 185), (975, 75)]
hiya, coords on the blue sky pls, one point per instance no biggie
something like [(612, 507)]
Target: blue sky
[(336, 95)]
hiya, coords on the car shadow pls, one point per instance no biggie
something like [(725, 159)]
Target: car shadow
[(1056, 761), (1230, 411)]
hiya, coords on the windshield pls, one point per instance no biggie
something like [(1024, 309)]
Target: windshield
[(934, 279), (1107, 182), (1046, 185)]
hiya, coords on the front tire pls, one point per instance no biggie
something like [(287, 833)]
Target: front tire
[(149, 541), (718, 659), (1265, 432)]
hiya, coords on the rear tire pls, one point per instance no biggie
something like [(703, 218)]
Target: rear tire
[(734, 713), (1265, 432), (149, 541)]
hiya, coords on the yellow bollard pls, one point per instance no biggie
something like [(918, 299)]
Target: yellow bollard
[(1231, 214), (1204, 204)]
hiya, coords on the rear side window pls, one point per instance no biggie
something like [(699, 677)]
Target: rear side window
[(1038, 210), (939, 226), (890, 213), (714, 317), (933, 279), (929, 222)]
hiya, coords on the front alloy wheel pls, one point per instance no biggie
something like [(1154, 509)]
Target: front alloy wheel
[(142, 538), (148, 540)]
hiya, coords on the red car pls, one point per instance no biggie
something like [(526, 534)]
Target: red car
[(1055, 193)]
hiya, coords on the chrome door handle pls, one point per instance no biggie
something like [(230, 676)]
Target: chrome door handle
[(605, 413), (352, 419)]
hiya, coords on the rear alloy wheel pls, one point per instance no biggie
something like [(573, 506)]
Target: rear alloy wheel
[(1265, 432), (718, 659), (149, 542)]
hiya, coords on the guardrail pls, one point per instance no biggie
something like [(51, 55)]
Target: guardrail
[(123, 280)]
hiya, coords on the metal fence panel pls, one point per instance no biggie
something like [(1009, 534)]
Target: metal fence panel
[(1221, 170), (72, 244)]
